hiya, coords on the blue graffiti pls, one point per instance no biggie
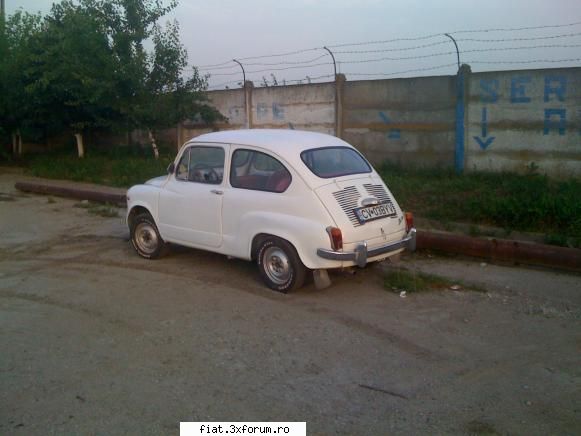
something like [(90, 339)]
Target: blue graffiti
[(261, 110), (550, 123), (277, 111), (489, 90), (555, 85), (484, 141), (518, 89), (393, 133)]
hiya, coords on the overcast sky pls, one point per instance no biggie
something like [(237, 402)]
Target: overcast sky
[(216, 31)]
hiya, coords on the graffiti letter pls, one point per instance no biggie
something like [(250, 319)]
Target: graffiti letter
[(488, 90), (277, 111), (261, 111), (560, 125), (518, 90), (556, 85)]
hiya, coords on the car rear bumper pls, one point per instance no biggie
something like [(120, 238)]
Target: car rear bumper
[(362, 253)]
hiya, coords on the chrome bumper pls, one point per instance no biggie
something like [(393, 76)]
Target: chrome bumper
[(361, 253)]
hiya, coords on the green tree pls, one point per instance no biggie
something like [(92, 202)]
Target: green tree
[(17, 34), (85, 65), (153, 93), (168, 97), (72, 74)]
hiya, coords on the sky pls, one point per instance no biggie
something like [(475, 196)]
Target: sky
[(217, 31)]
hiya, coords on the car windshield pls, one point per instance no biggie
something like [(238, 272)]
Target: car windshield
[(334, 162)]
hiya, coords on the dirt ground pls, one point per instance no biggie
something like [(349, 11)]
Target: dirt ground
[(95, 340)]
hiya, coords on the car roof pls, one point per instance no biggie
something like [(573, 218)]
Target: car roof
[(286, 143)]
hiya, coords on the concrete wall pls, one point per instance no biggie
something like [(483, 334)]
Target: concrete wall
[(305, 107), (230, 103), (498, 121), (402, 120), (519, 119), (302, 107)]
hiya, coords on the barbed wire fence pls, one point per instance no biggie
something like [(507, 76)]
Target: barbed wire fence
[(534, 46)]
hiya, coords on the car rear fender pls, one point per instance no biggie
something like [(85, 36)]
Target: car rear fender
[(304, 234)]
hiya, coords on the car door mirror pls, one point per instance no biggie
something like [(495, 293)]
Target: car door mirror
[(171, 168)]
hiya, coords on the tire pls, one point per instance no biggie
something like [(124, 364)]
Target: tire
[(280, 267), (145, 237)]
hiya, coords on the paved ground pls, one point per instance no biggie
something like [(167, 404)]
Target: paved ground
[(96, 340)]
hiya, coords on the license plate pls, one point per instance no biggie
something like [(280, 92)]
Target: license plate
[(375, 212)]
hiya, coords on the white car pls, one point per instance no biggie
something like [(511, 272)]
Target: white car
[(293, 201)]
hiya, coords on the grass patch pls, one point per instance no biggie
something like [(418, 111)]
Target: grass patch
[(415, 281), (119, 170), (530, 202), (103, 210), (479, 428)]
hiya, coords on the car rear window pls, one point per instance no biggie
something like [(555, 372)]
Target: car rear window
[(335, 162)]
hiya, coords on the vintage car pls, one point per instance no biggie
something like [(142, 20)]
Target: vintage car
[(292, 200)]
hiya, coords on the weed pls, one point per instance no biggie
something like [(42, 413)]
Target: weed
[(413, 281), (104, 210), (85, 204), (474, 230), (123, 170), (480, 428), (530, 202), (6, 197)]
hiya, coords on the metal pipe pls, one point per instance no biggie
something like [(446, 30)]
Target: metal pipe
[(246, 108), (243, 73), (336, 93), (455, 45), (334, 64)]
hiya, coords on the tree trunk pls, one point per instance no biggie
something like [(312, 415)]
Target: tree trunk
[(153, 144), (80, 145), (16, 143), (19, 138)]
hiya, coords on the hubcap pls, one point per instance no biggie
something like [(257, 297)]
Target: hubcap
[(146, 238), (276, 265)]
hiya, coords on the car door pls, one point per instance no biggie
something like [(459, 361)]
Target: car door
[(190, 203)]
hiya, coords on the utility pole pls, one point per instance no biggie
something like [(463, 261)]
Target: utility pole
[(2, 9)]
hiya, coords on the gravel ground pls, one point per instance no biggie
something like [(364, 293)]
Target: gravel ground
[(96, 340)]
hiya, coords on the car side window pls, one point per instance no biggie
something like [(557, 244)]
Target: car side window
[(183, 165), (202, 165), (259, 171)]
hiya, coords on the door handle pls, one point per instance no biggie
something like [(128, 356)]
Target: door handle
[(216, 191)]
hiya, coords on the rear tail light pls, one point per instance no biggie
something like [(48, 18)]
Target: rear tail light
[(409, 221), (336, 238)]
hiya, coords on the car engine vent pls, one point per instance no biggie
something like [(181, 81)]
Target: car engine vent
[(377, 191), (348, 199)]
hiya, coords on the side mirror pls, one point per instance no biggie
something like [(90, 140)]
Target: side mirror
[(171, 168)]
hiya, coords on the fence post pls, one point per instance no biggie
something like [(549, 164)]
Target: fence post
[(339, 87), (462, 88), (248, 87)]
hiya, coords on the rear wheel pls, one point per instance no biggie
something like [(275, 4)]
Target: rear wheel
[(145, 237), (280, 266)]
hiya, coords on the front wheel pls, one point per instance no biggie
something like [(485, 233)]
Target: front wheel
[(145, 237), (280, 266)]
